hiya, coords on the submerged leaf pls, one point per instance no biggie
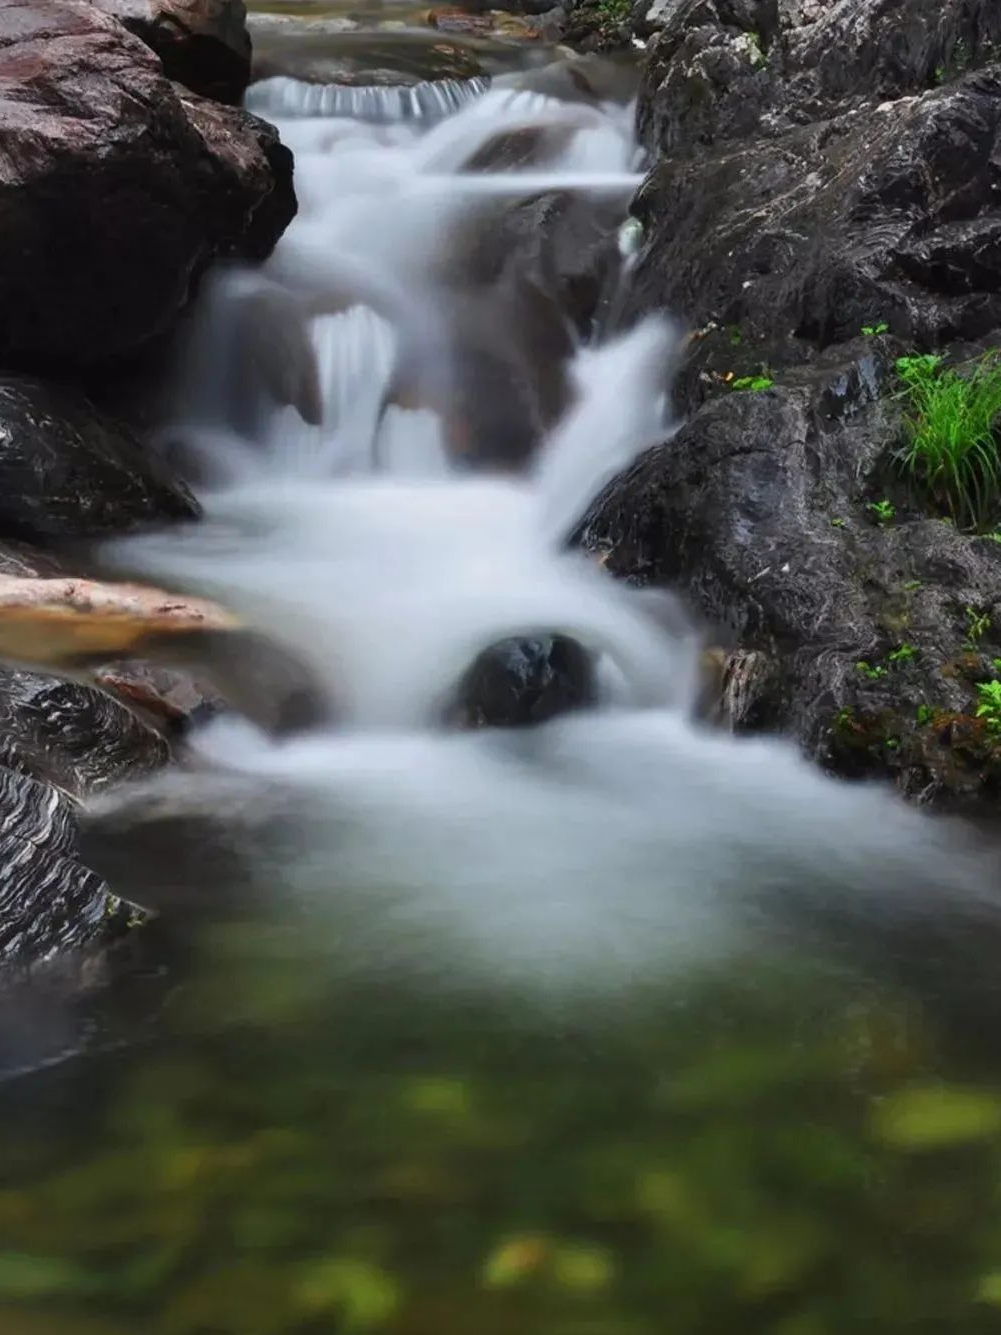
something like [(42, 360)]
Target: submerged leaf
[(930, 1117)]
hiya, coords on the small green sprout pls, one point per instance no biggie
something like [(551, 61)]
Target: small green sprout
[(837, 523), (923, 715), (902, 654), (884, 511), (755, 384), (758, 55), (977, 626), (874, 330), (844, 717), (870, 671), (734, 335), (911, 585), (989, 709)]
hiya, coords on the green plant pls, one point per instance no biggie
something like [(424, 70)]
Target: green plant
[(756, 384), (837, 523), (977, 626), (911, 585), (615, 11), (989, 709), (924, 715), (884, 511), (759, 56), (951, 435), (902, 654), (872, 672), (734, 335), (874, 330), (995, 536)]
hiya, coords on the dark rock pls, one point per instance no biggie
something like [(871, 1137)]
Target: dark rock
[(720, 70), (59, 741), (820, 166), (519, 682), (887, 215), (157, 183), (48, 899), (69, 472), (203, 44), (71, 735), (758, 508)]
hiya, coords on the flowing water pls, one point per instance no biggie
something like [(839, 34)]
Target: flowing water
[(615, 1026)]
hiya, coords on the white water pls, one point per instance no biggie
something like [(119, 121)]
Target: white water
[(606, 847)]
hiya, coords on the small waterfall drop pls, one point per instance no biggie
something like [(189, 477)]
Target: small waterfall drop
[(332, 397)]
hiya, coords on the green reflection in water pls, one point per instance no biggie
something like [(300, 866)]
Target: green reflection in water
[(752, 1151)]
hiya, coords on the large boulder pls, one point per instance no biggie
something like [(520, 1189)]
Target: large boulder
[(116, 188), (204, 44), (820, 166), (855, 636), (883, 215)]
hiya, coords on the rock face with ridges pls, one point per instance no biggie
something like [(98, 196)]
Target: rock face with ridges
[(116, 190), (48, 899), (819, 166), (58, 741)]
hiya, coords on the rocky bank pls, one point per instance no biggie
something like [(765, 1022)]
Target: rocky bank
[(824, 198), (121, 181)]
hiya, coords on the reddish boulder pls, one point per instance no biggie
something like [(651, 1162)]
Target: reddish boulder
[(203, 44), (116, 188)]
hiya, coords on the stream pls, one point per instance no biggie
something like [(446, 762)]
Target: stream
[(618, 1025)]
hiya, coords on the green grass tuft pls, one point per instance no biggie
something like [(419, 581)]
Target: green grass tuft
[(951, 435)]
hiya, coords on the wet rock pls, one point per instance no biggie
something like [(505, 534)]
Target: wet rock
[(48, 899), (519, 682), (888, 215), (59, 741), (166, 657), (203, 44), (819, 167), (725, 69), (73, 736), (68, 471), (158, 184), (849, 634)]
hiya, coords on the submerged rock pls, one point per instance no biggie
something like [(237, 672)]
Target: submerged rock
[(519, 682), (203, 44), (156, 182), (67, 471)]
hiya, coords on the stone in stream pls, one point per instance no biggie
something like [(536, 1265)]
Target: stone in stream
[(117, 188), (203, 44), (523, 681), (68, 471), (58, 741), (833, 168)]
